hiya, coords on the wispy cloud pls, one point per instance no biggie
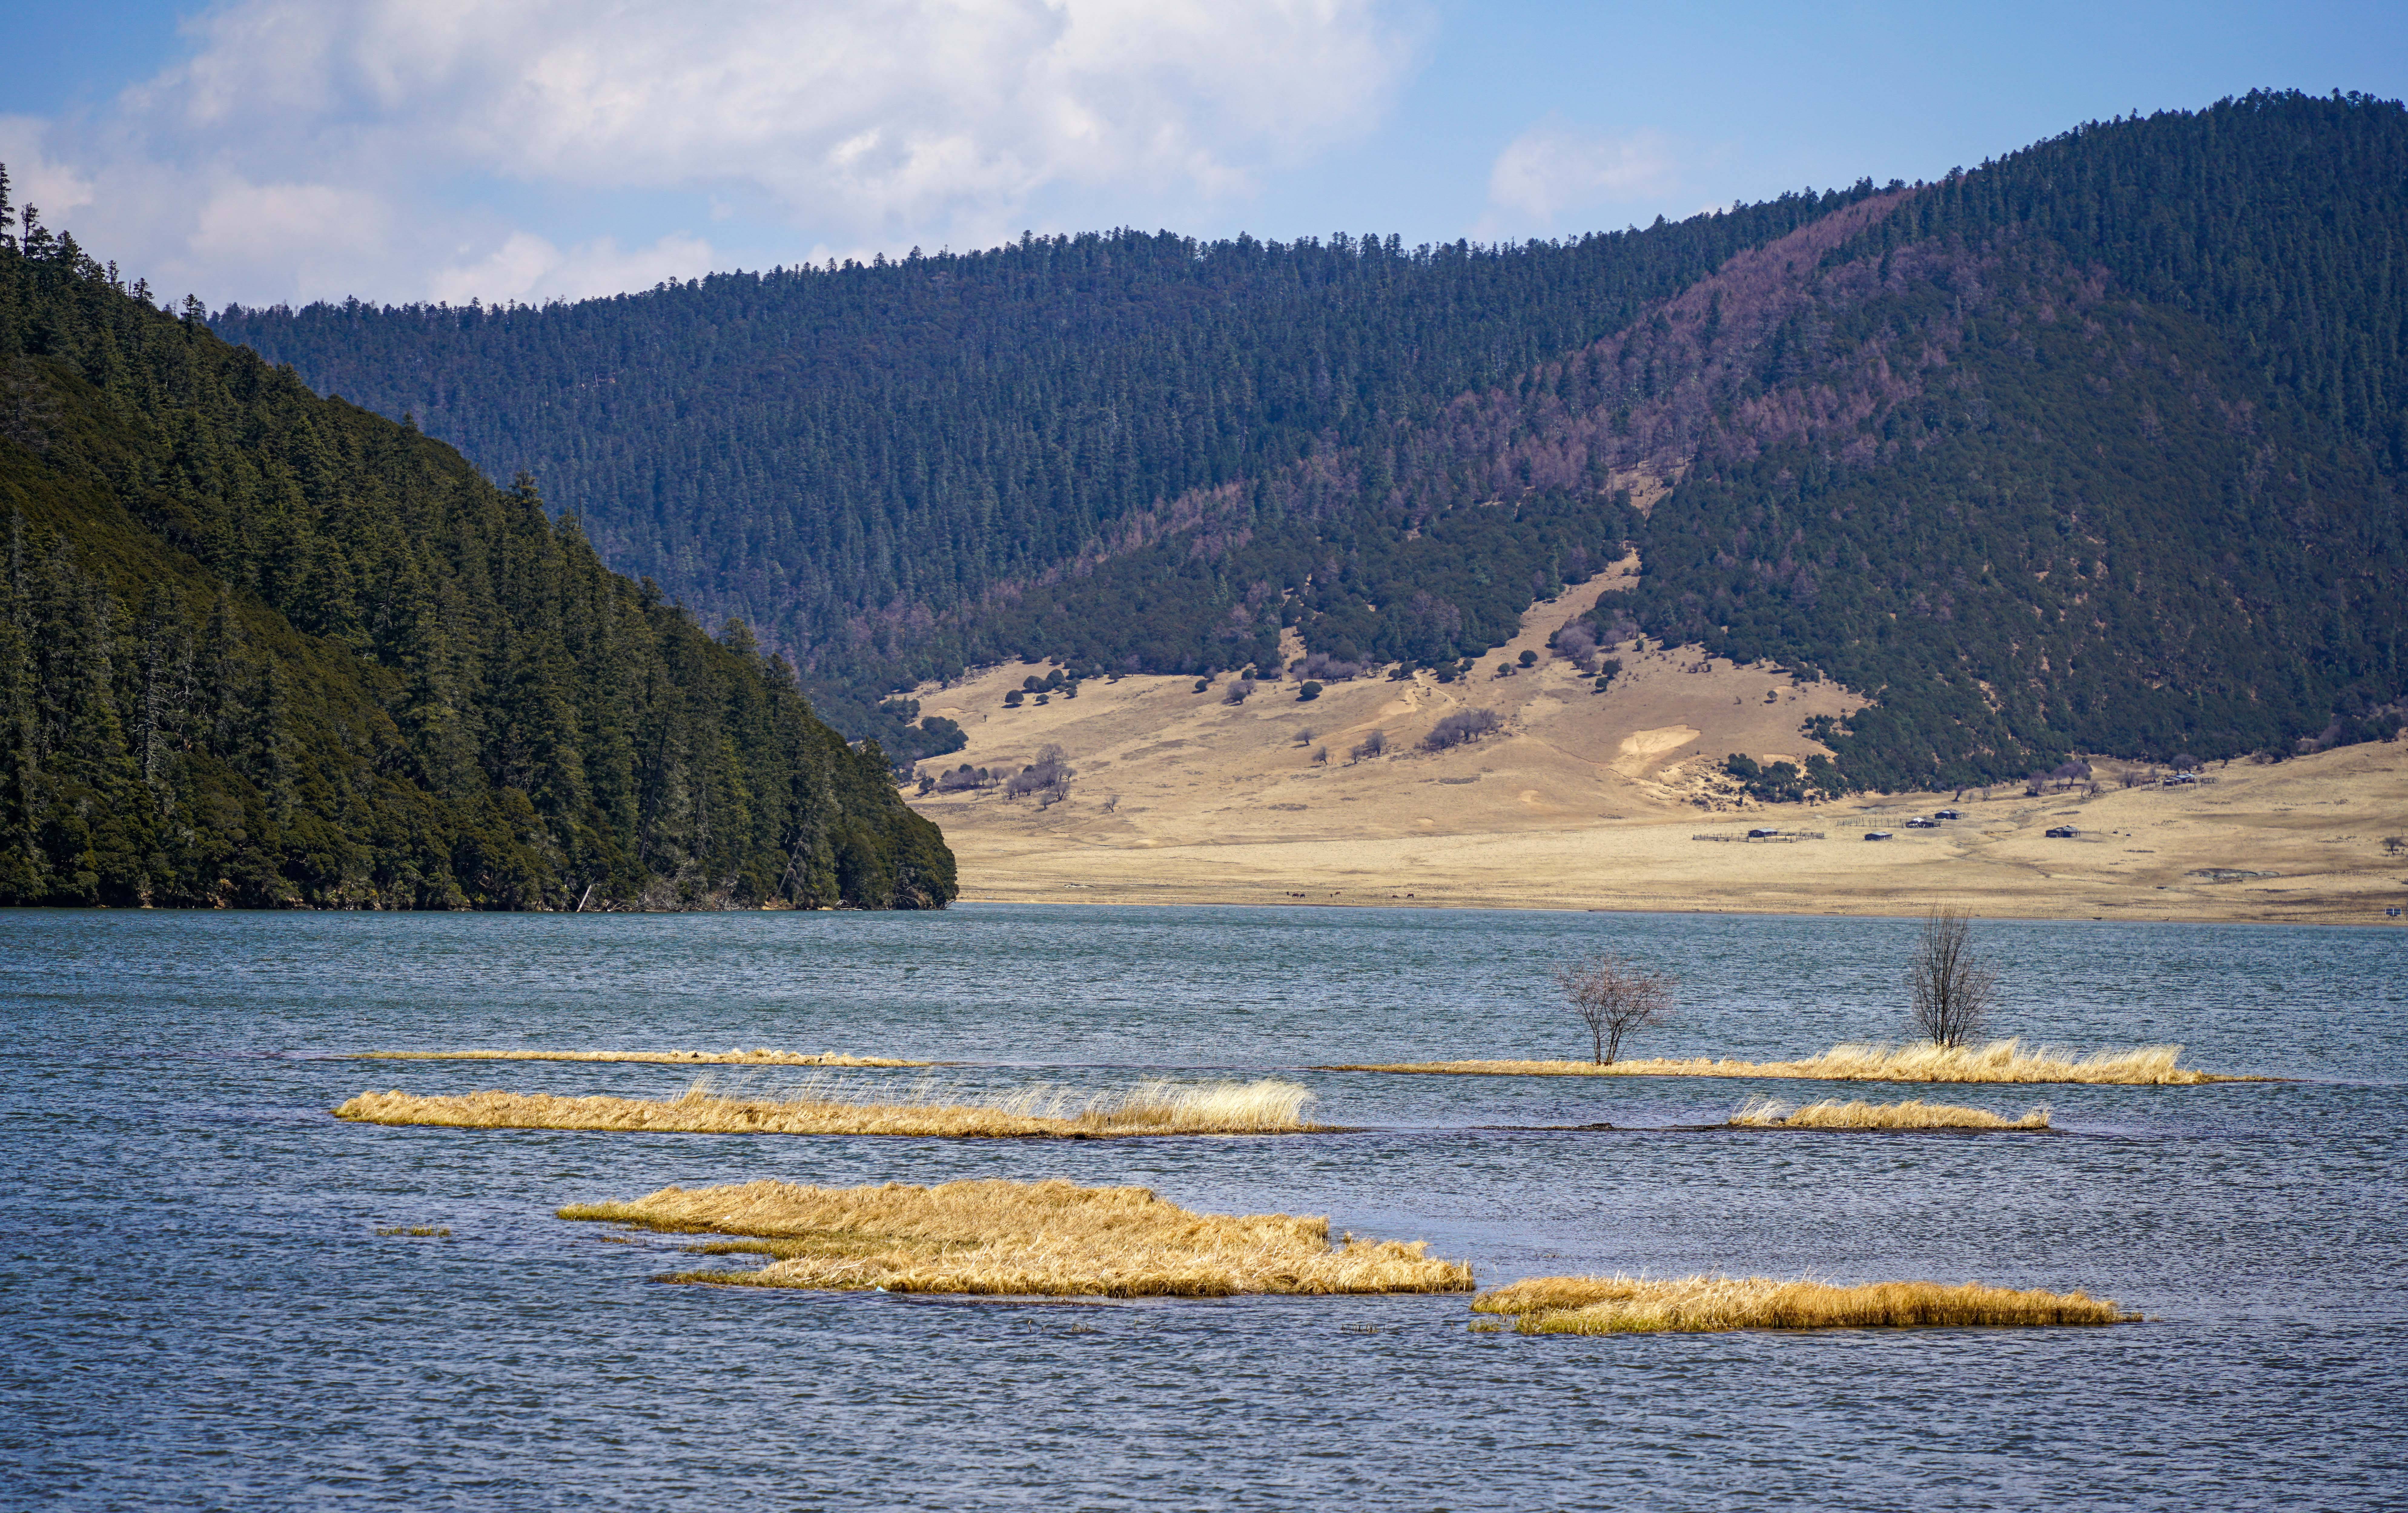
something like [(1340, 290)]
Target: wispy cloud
[(1556, 168), (392, 141)]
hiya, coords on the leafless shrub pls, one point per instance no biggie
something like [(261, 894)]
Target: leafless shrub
[(2394, 845), (1239, 692), (1951, 991), (1321, 756), (1304, 735), (1577, 643), (1613, 996), (1374, 744), (1049, 777), (1112, 803), (1464, 725)]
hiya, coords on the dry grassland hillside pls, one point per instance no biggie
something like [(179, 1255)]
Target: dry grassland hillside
[(1590, 801)]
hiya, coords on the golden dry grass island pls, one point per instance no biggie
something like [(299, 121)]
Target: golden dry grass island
[(1004, 1238), (1998, 1062), (1268, 1106), (1830, 1114), (739, 1055), (1706, 1303), (1612, 801)]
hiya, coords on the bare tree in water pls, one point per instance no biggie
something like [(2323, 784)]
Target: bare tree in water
[(1952, 991), (1614, 996)]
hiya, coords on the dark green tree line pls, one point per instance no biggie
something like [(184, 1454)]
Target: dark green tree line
[(264, 649)]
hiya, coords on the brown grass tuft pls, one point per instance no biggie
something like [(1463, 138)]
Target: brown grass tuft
[(1830, 1114), (1022, 1238), (737, 1057), (2001, 1060), (1155, 1108), (1696, 1304)]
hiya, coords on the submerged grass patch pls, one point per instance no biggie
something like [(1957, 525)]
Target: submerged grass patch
[(2001, 1060), (1154, 1108), (999, 1238), (737, 1057), (1705, 1303), (1830, 1114)]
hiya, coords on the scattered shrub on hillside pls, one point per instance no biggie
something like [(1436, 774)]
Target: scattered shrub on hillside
[(962, 778), (1013, 699), (1049, 776), (1529, 659), (1239, 692), (1203, 685), (1374, 744), (1307, 693), (1321, 667), (1321, 756), (1463, 725)]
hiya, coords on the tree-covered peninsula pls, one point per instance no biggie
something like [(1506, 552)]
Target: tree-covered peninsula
[(264, 649)]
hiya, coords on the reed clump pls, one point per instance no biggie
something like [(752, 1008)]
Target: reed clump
[(1005, 1238), (2001, 1060), (1830, 1114), (737, 1057), (1154, 1108), (1706, 1303)]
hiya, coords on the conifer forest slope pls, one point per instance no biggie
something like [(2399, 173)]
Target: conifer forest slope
[(260, 648), (2096, 448)]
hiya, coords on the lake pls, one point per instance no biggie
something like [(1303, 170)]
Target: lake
[(199, 1312)]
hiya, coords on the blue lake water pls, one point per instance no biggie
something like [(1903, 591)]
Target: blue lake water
[(199, 1313)]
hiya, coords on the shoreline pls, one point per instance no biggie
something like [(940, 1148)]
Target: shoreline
[(1902, 909)]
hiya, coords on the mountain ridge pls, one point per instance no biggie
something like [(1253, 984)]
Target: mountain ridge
[(2244, 256)]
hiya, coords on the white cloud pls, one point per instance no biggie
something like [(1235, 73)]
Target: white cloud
[(528, 268), (928, 120), (35, 178), (1555, 167)]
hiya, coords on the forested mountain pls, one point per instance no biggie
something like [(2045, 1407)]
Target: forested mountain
[(838, 454), (2095, 448), (259, 648)]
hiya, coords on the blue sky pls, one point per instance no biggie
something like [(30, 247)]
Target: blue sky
[(289, 149)]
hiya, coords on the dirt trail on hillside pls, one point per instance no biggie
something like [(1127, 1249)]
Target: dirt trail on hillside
[(1590, 801)]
